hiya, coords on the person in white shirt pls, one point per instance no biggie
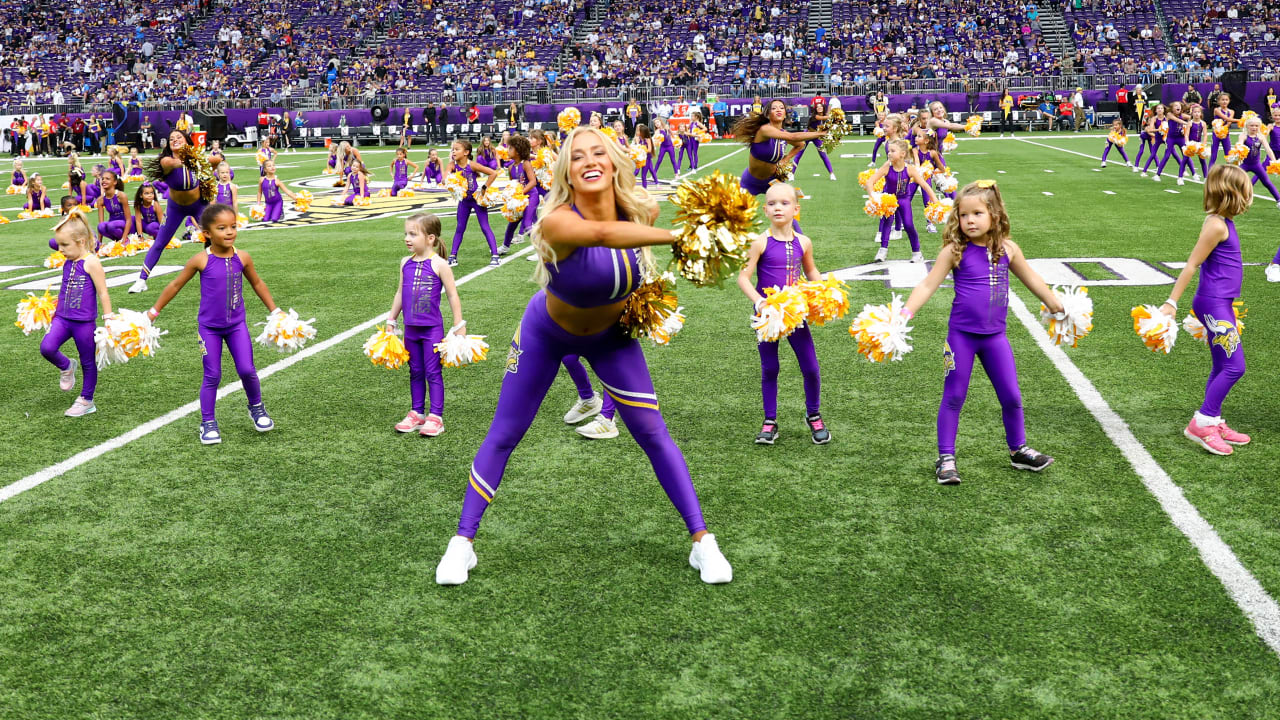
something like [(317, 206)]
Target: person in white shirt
[(1078, 101)]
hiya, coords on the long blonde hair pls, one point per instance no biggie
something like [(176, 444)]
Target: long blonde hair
[(989, 193), (632, 202)]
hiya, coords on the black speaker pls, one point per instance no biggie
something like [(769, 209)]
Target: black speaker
[(1107, 106), (213, 122), (379, 113), (1233, 83)]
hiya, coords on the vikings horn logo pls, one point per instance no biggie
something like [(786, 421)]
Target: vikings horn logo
[(948, 359), (1225, 334), (513, 354)]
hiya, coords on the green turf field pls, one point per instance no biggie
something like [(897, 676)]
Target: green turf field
[(290, 574)]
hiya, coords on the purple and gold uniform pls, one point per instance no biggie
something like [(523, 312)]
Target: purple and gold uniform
[(1254, 166), (1228, 117), (272, 200), (400, 178), (1119, 148), (180, 178), (38, 200), (466, 208), (222, 319), (1221, 278), (666, 148), (781, 264), (899, 184), (147, 221), (423, 328), (75, 318), (114, 226), (1173, 148)]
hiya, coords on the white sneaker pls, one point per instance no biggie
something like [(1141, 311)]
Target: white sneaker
[(1156, 178), (138, 286), (503, 250), (67, 378), (1181, 182), (1136, 168), (707, 559), (895, 235), (882, 253), (459, 558), (1273, 273), (532, 257), (917, 257), (1104, 163), (81, 407), (601, 428), (871, 164), (584, 409), (932, 228), (1144, 174), (833, 176)]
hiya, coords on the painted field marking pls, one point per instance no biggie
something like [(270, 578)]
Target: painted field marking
[(1046, 193), (1174, 192), (1107, 192), (1249, 595)]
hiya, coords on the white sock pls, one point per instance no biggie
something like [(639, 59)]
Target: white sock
[(1203, 420)]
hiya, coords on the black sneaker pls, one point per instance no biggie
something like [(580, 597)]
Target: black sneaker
[(453, 261), (1027, 458), (945, 470), (768, 433), (821, 436)]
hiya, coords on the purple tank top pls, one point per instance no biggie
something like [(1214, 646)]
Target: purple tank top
[(333, 161), (780, 264), (1175, 130), (770, 150), (19, 178), (1255, 150), (402, 170), (470, 175), (270, 190), (941, 133), (115, 166), (595, 276), (489, 160), (224, 193), (221, 291), (149, 215), (1222, 273), (78, 298), (92, 193), (897, 182), (1196, 132), (1275, 140), (180, 178), (115, 210), (420, 293), (982, 292)]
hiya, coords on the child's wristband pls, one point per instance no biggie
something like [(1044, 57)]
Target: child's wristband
[(1172, 302), (907, 313)]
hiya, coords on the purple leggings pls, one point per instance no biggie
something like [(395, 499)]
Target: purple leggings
[(1260, 176), (241, 349), (1216, 141), (151, 229), (875, 150), (273, 211), (821, 153), (802, 344), (526, 222), (82, 332), (174, 216), (664, 150), (692, 146), (534, 359), (581, 380), (997, 359), (1173, 148), (901, 216), (646, 171), (1225, 349), (1155, 150), (465, 208), (424, 367), (399, 184), (1107, 150), (113, 229)]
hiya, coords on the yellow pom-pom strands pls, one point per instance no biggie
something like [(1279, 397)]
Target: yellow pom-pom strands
[(514, 204), (1158, 331), (785, 171), (828, 299), (285, 331), (881, 205), (385, 349), (124, 335), (1238, 154), (945, 181), (638, 154), (1196, 329), (458, 350), (865, 175), (835, 128), (937, 211), (949, 144), (781, 312), (1117, 139), (1195, 149), (1076, 319), (55, 260), (568, 119), (882, 331), (652, 311), (35, 312), (456, 184), (1221, 129), (714, 226), (973, 125), (1273, 168)]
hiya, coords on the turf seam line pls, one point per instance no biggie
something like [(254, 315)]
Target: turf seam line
[(1249, 595), (85, 456)]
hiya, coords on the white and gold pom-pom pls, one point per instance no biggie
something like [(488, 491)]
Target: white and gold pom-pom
[(329, 171), (937, 211), (1118, 139), (385, 349), (383, 193), (881, 205), (568, 119), (113, 249), (257, 212), (458, 350), (866, 175), (1076, 320), (66, 185), (949, 144), (945, 181), (1196, 329), (782, 311), (1238, 154), (362, 201), (175, 243), (1221, 129), (1158, 331), (15, 190), (882, 331), (35, 312), (285, 331), (653, 311), (638, 154), (456, 184), (25, 215), (658, 139), (4, 220), (55, 260), (1273, 168), (973, 125), (879, 131), (514, 205), (1195, 149), (124, 335), (827, 298)]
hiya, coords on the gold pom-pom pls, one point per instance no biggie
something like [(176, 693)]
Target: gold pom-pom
[(949, 144), (1157, 330), (514, 205), (1195, 149), (1221, 129), (383, 193), (828, 299), (35, 312), (881, 331), (926, 169), (652, 311), (1273, 168), (879, 131), (1238, 154), (4, 220), (834, 130), (362, 201), (973, 125), (568, 119), (639, 155), (385, 349), (881, 205), (257, 212), (658, 139), (458, 350), (124, 335), (866, 175), (83, 208), (936, 212), (456, 184), (15, 190), (1118, 139), (782, 311), (55, 260), (1076, 319), (715, 224), (785, 171), (945, 181), (502, 153), (407, 193)]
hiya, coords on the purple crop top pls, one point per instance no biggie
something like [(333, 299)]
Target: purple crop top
[(595, 276)]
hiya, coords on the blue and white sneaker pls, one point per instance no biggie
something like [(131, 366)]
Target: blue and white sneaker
[(261, 420), (209, 434)]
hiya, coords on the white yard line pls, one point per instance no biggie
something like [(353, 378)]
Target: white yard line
[(85, 456), (1259, 607)]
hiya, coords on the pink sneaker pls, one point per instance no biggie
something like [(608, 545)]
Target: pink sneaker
[(81, 407), (432, 426), (67, 378), (411, 422), (1209, 438), (1231, 437)]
